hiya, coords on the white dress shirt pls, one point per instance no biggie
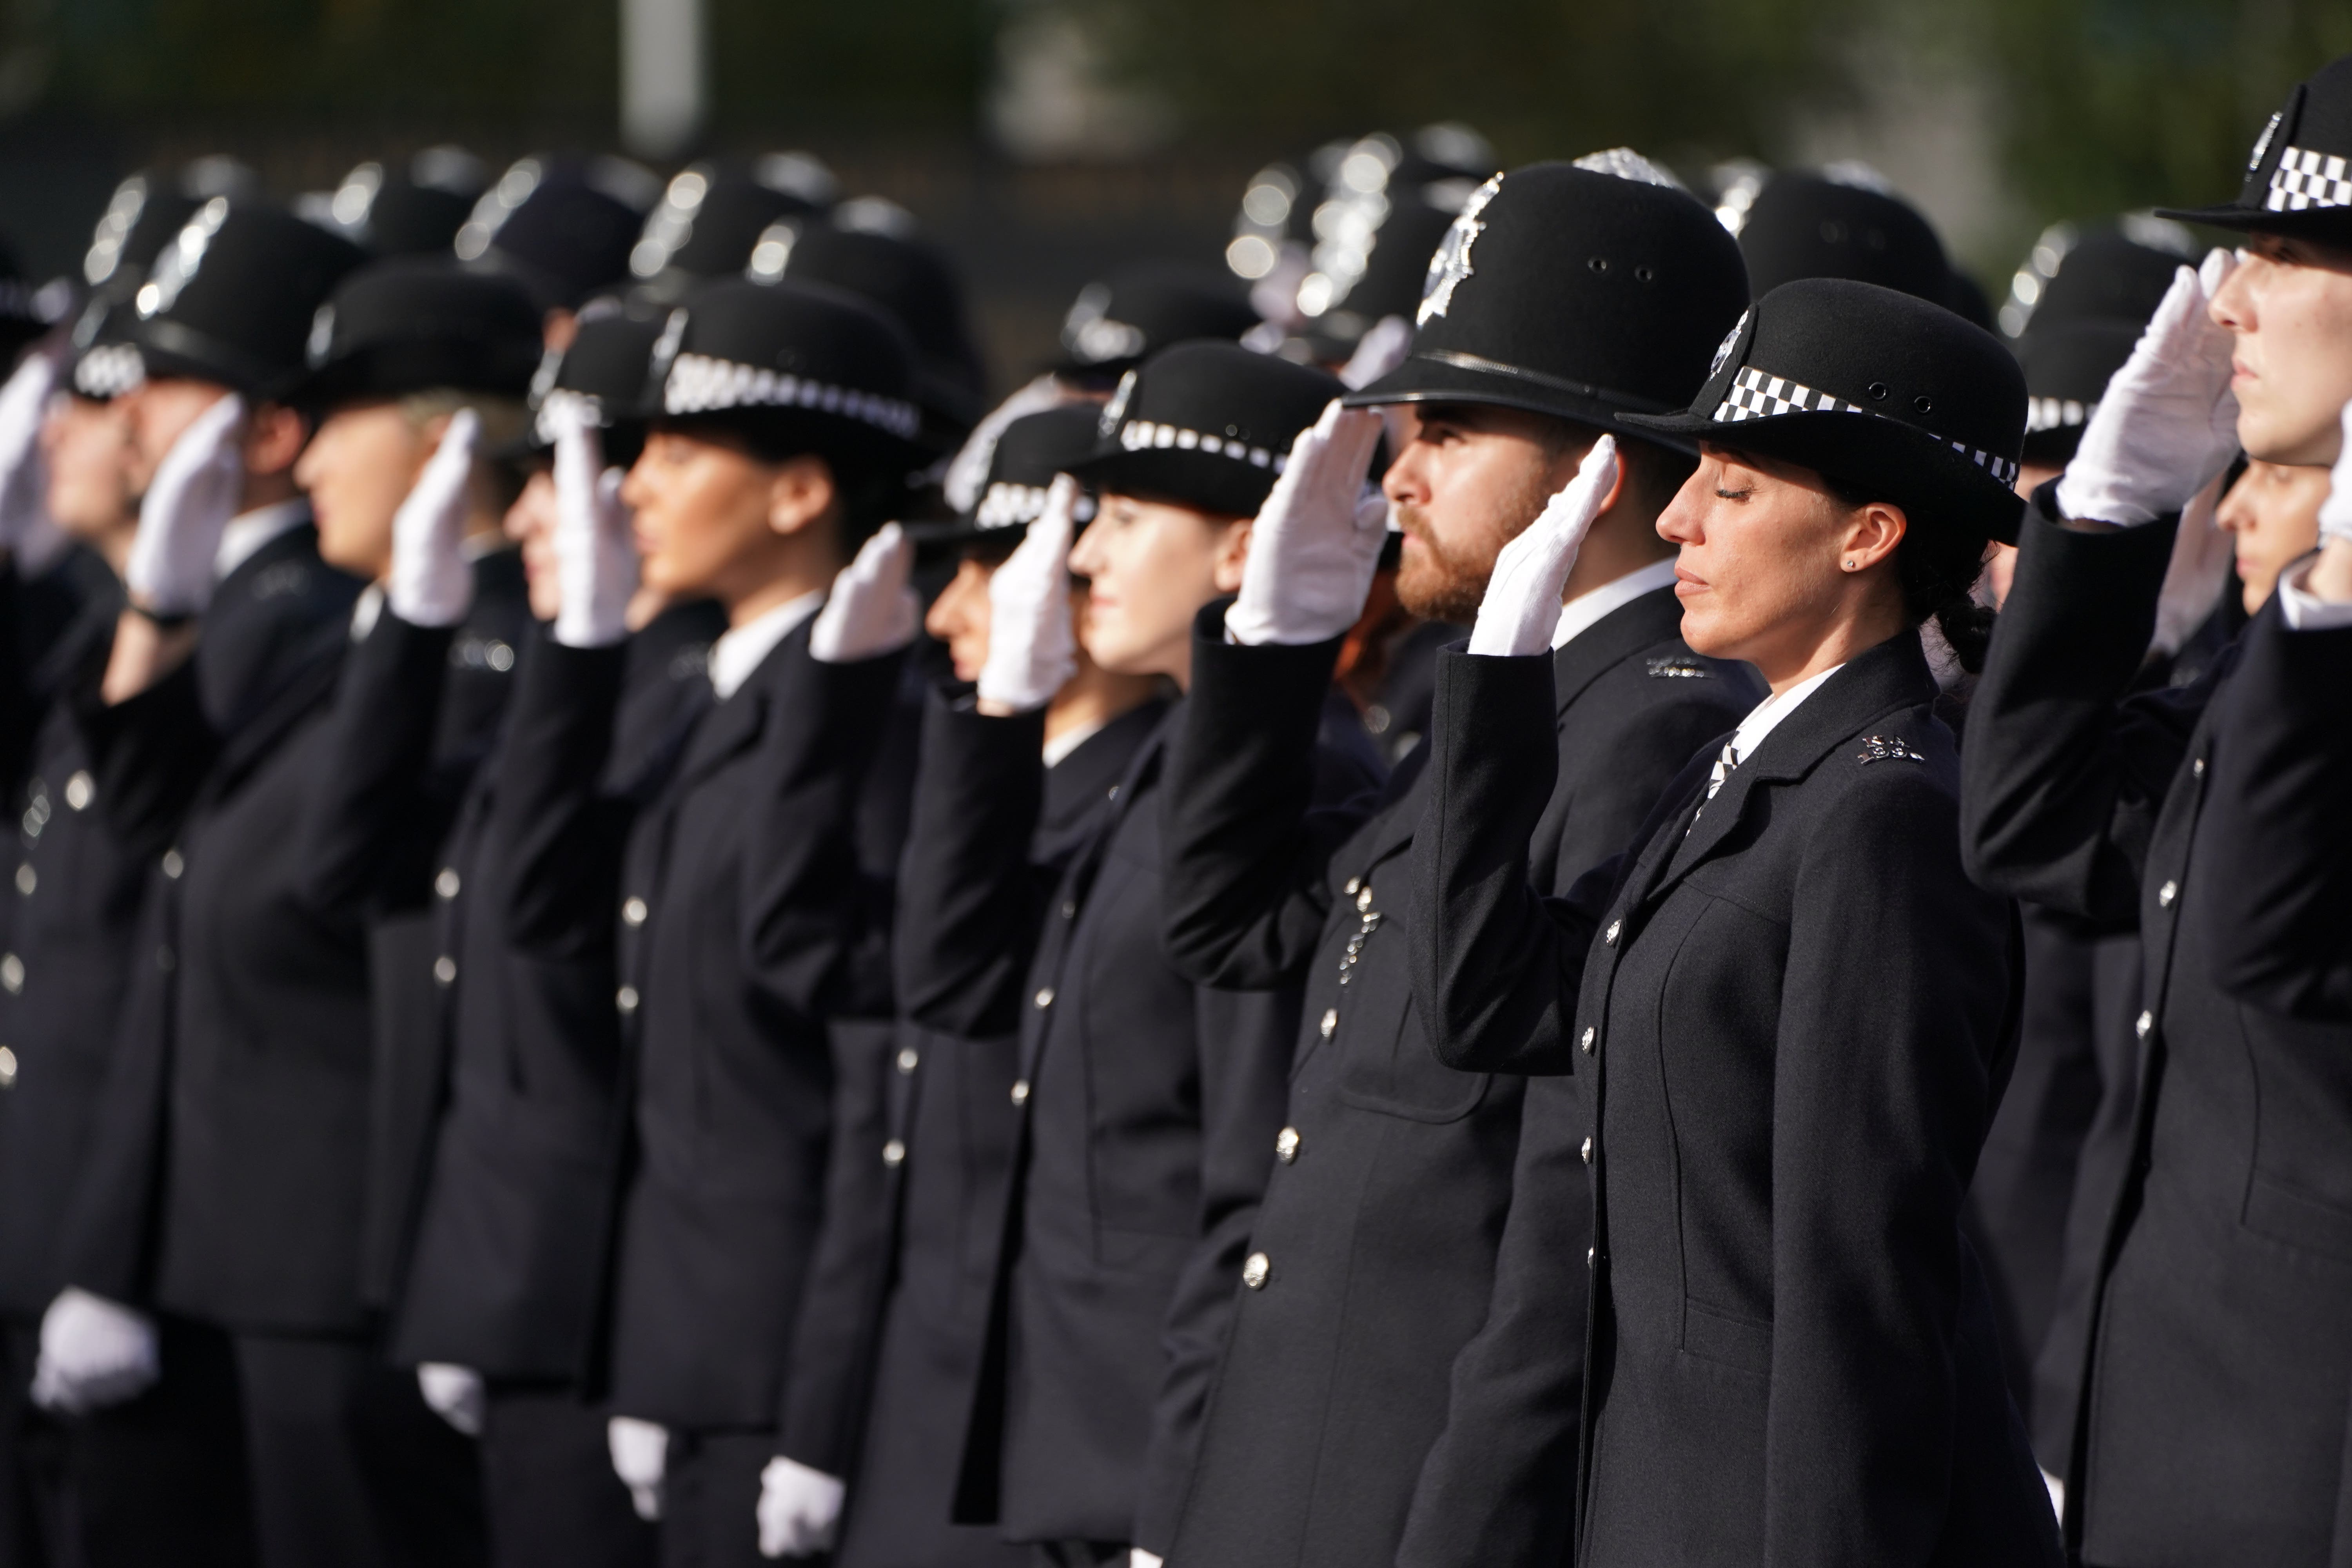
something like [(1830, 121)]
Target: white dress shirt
[(1587, 608), (740, 652)]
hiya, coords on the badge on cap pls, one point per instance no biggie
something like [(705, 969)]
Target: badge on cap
[(2263, 143), (322, 335), (1450, 265), (1723, 350), (1116, 409), (182, 259)]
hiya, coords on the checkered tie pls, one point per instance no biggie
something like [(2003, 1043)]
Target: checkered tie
[(1724, 764)]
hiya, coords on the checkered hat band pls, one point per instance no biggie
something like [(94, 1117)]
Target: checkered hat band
[(2305, 180), (698, 383), (1753, 394), (1008, 505), (109, 371), (1137, 435)]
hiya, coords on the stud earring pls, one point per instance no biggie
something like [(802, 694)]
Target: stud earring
[(1849, 566)]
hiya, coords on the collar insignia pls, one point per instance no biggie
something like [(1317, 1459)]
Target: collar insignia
[(1881, 747)]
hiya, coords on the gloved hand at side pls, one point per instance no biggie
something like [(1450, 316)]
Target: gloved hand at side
[(1522, 609), (455, 1394), (1033, 649), (800, 1509), (871, 610), (1316, 541), (195, 492), (431, 583), (2169, 422), (94, 1353), (640, 1453)]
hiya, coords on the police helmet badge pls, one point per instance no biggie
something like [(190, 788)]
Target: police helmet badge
[(1450, 265)]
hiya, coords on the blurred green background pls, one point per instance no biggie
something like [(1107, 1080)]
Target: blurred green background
[(1042, 138)]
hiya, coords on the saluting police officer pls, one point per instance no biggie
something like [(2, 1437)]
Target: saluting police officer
[(503, 1297), (1562, 299), (2211, 1417)]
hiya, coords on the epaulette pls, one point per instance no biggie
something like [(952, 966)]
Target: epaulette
[(1680, 667), (1882, 748)]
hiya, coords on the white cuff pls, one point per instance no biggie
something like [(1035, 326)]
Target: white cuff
[(2304, 611)]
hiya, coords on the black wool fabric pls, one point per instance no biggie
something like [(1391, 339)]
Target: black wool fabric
[(2212, 1416), (1791, 1017), (1381, 1226)]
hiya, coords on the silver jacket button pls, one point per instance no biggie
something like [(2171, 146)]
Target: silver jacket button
[(2143, 1024), (894, 1154), (12, 974), (1353, 883), (7, 1068), (1587, 1151), (1045, 997), (625, 999), (1257, 1269), (445, 971), (1330, 1021), (634, 911), (1586, 1042), (908, 1057), (27, 878), (446, 884), (1021, 1092), (173, 865), (1285, 1145), (1609, 937), (80, 790), (2166, 894)]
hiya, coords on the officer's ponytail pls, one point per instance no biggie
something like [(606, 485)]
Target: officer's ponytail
[(1937, 566)]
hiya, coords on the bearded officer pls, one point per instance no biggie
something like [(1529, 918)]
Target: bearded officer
[(1564, 300)]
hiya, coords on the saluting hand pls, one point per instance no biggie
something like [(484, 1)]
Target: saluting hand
[(195, 492), (800, 1509), (1522, 609), (871, 610), (595, 559), (94, 1353), (24, 476), (1033, 649), (2330, 577), (431, 584), (2167, 423), (1316, 541), (640, 1451)]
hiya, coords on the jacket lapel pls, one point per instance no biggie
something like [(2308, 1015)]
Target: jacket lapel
[(1655, 617), (735, 725)]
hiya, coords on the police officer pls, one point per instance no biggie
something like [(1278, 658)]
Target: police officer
[(503, 1297), (1562, 298), (1789, 1012), (1149, 1103), (912, 1329), (2211, 1421), (781, 430)]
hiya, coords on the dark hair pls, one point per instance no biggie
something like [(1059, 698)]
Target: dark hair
[(1937, 568), (1653, 472)]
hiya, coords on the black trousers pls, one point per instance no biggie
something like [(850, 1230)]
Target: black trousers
[(158, 1482), (350, 1468), (549, 1486), (710, 1499)]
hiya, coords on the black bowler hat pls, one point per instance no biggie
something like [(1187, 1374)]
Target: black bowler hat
[(141, 218), (1395, 263), (415, 324), (1874, 388), (707, 224), (604, 370), (1032, 450), (1206, 424), (1119, 321), (788, 363), (2118, 272), (2067, 367), (1807, 226), (562, 227), (230, 298), (2299, 179), (1572, 292), (412, 213), (915, 283), (105, 362)]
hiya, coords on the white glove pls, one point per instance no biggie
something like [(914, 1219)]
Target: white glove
[(1316, 540), (1137, 1557), (1522, 609), (2336, 511), (431, 583), (26, 531), (968, 469), (93, 1355), (871, 611), (2169, 422), (1381, 349), (455, 1394), (800, 1509), (640, 1454), (195, 492), (1033, 649), (595, 559)]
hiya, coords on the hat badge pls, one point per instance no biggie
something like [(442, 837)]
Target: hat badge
[(1450, 264), (1723, 350), (2262, 143), (1116, 409), (322, 335)]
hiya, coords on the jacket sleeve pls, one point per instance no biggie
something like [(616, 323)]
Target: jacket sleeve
[(560, 835), (1246, 1040), (2277, 824), (800, 906), (1496, 966), (1897, 1005), (1641, 750), (1248, 842), (969, 901), (2062, 775), (149, 755), (371, 795), (1499, 1484)]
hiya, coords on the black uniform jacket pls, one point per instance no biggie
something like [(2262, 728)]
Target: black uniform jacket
[(225, 1175), (2214, 1399), (416, 713), (1149, 1110), (1394, 1175), (738, 918), (1791, 1019), (950, 1116), (67, 920), (516, 1215)]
